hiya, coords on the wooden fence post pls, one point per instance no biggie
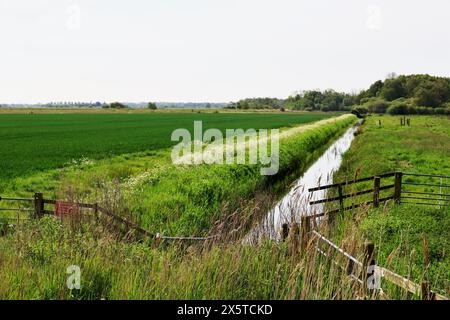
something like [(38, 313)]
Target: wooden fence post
[(341, 198), (305, 230), (398, 187), (426, 292), (284, 231), (157, 240), (38, 204), (376, 191), (350, 267), (368, 261), (293, 239), (96, 212)]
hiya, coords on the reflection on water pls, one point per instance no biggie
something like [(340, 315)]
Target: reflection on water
[(296, 202)]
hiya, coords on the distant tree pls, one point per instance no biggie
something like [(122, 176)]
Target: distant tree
[(328, 100), (421, 90), (391, 75), (375, 89), (377, 105), (432, 94), (258, 103), (393, 89), (152, 106), (116, 105)]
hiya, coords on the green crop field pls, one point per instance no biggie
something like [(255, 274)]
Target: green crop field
[(35, 142)]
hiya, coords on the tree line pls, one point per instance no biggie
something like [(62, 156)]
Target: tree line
[(313, 100), (411, 94), (405, 94)]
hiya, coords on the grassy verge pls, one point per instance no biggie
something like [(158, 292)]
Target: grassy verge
[(401, 233)]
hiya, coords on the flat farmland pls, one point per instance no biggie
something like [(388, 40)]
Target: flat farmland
[(34, 142)]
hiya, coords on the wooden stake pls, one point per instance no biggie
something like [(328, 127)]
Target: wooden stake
[(293, 239), (305, 230), (284, 231), (398, 187), (39, 204), (426, 292), (368, 260), (341, 198), (376, 191)]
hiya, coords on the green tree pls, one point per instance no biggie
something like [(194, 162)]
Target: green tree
[(116, 105), (393, 89), (152, 106), (432, 94)]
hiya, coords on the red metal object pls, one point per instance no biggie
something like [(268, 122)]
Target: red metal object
[(63, 208)]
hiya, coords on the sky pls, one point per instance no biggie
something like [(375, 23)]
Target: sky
[(213, 50)]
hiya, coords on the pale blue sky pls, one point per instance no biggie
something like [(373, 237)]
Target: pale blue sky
[(212, 50)]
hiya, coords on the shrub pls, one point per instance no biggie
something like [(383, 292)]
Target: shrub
[(377, 106), (399, 108), (424, 110), (115, 105), (360, 111)]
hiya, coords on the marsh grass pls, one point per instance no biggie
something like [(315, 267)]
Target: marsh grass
[(35, 257), (121, 265)]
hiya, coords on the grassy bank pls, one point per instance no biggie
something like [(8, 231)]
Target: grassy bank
[(404, 233)]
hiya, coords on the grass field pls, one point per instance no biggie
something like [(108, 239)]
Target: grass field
[(36, 142), (399, 231)]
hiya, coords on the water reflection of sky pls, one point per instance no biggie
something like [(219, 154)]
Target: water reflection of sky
[(296, 202)]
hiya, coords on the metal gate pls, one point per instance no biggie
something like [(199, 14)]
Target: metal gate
[(16, 209), (425, 189)]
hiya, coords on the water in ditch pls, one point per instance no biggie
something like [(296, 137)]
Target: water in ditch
[(296, 202)]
